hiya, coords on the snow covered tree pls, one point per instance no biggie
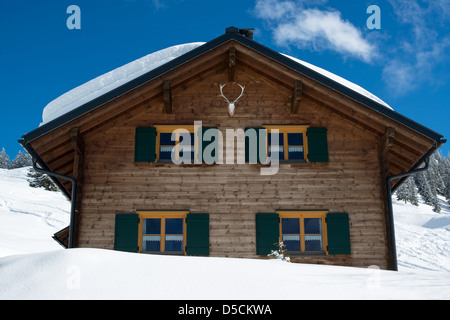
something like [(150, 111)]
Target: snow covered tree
[(22, 159), (280, 254), (4, 160), (407, 192), (38, 180)]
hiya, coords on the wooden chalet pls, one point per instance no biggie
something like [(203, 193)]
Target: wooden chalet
[(340, 154)]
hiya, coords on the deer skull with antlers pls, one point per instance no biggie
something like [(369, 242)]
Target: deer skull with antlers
[(231, 104)]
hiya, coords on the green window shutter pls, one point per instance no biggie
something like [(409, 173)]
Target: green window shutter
[(126, 232), (210, 145), (145, 145), (317, 144), (197, 234), (338, 228), (250, 147), (267, 233)]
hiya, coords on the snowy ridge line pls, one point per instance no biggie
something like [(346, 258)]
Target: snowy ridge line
[(109, 81)]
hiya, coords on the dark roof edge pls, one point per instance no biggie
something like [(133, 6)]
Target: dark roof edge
[(232, 33), (44, 166)]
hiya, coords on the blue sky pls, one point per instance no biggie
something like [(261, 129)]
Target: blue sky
[(406, 62)]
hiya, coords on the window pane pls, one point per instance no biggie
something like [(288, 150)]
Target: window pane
[(313, 225), (152, 226), (313, 243), (165, 139), (187, 152), (187, 139), (290, 226), (273, 136), (279, 150), (151, 243), (165, 153), (296, 153), (174, 226), (292, 242), (174, 243), (295, 139)]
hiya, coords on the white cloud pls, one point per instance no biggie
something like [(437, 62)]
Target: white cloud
[(423, 46), (273, 9), (293, 24)]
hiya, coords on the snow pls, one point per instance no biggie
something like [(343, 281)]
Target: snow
[(113, 79), (28, 216), (422, 236), (95, 273), (342, 81), (33, 266)]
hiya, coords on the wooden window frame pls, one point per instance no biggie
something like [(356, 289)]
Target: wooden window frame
[(163, 215), (301, 215), (285, 129), (170, 129)]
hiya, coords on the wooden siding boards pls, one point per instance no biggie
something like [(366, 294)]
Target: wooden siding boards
[(233, 194)]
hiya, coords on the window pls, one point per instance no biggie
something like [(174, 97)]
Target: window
[(162, 232), (290, 145), (303, 232), (166, 232), (183, 146)]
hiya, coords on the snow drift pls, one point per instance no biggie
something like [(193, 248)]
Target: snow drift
[(103, 274)]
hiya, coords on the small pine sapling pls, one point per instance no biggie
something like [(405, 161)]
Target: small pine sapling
[(281, 253)]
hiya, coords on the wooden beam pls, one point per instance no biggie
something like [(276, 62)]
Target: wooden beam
[(387, 141), (77, 172), (296, 96), (167, 96), (232, 64), (77, 141)]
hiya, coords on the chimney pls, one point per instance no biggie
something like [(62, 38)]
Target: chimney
[(248, 33)]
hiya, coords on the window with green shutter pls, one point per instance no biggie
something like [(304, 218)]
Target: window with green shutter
[(267, 233), (317, 144), (338, 227), (289, 144), (197, 236), (303, 233), (145, 145), (163, 232), (255, 145), (126, 232)]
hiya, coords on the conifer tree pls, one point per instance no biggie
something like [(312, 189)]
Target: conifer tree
[(4, 160), (38, 180), (407, 192), (21, 160)]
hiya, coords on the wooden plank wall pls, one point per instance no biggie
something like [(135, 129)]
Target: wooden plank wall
[(233, 194)]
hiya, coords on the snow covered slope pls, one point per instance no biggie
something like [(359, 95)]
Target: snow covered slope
[(113, 79), (103, 274), (28, 216), (33, 266)]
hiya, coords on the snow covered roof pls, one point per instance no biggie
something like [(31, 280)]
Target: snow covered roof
[(115, 78), (112, 80), (107, 87)]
